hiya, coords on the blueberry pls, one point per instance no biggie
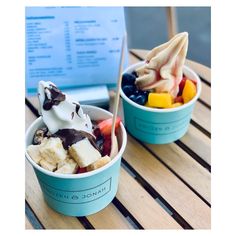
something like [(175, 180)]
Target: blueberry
[(128, 79), (128, 89), (132, 97), (137, 92), (141, 99), (145, 93)]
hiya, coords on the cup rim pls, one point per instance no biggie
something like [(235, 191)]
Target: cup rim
[(82, 175), (159, 110)]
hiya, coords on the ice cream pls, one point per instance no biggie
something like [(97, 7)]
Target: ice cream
[(70, 143), (159, 82), (59, 112), (163, 69)]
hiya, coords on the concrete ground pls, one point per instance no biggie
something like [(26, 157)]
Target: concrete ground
[(147, 27)]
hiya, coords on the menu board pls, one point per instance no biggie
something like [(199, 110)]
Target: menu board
[(73, 46)]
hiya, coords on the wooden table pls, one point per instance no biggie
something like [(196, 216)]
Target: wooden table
[(161, 186)]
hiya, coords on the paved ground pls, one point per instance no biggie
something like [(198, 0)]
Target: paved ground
[(147, 28)]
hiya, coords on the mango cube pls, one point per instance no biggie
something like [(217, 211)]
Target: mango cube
[(147, 105), (189, 91), (161, 100)]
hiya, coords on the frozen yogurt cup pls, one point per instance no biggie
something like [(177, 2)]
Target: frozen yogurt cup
[(85, 193), (159, 126)]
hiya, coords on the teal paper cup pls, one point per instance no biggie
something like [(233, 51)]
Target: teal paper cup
[(158, 126), (80, 194)]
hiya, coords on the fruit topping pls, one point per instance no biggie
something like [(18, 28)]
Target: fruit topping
[(107, 145), (160, 100), (129, 89), (189, 91), (181, 85), (179, 99), (128, 79), (81, 170), (141, 99), (105, 125)]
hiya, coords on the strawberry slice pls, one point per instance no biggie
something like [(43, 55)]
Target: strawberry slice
[(106, 145), (179, 99), (105, 126), (81, 170), (181, 85)]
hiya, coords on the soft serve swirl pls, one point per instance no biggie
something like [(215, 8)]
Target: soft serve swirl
[(59, 112)]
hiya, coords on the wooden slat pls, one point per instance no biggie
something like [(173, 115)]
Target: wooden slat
[(28, 225), (171, 188), (142, 206), (206, 94), (109, 218), (129, 190), (202, 70), (116, 219), (202, 116), (185, 166), (198, 142), (34, 101), (29, 117)]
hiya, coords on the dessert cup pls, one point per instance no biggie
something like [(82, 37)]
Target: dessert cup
[(158, 126), (80, 194)]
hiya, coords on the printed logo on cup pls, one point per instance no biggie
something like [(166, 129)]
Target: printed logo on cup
[(162, 128), (77, 197)]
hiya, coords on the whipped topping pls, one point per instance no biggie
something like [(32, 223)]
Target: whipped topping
[(163, 70), (59, 112)]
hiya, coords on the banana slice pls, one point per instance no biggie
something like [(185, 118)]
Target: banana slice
[(69, 166), (84, 153), (34, 151), (99, 163), (52, 151), (46, 165)]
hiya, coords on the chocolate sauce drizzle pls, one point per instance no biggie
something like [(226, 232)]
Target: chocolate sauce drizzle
[(77, 107), (71, 136), (56, 97)]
